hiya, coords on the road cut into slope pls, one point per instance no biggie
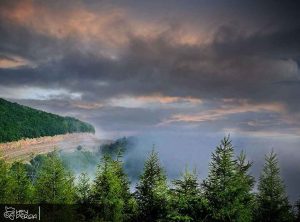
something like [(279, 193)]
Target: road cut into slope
[(26, 148)]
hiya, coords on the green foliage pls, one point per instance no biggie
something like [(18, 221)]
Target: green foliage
[(80, 160), (272, 200), (113, 148), (187, 203), (126, 145), (244, 185), (152, 191), (4, 181), (54, 184), (111, 191), (83, 189), (226, 195), (227, 188), (34, 166), (19, 122), (20, 187)]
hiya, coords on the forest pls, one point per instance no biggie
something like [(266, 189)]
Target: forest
[(25, 122), (227, 194)]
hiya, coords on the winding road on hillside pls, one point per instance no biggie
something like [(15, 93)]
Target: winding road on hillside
[(22, 150)]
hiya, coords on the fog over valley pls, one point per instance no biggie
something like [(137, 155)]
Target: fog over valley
[(176, 75)]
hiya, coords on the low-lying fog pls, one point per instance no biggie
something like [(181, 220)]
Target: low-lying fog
[(178, 151)]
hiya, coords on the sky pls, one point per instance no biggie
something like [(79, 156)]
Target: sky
[(181, 74)]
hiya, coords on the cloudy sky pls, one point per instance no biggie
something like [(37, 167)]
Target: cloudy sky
[(181, 74)]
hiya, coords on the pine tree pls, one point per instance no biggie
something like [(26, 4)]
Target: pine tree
[(35, 164), (130, 208), (272, 200), (152, 191), (227, 188), (187, 203), (54, 184), (83, 189), (111, 191), (244, 184), (20, 188), (85, 212)]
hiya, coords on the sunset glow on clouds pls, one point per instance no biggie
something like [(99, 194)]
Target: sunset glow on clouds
[(13, 62), (155, 101), (122, 55), (225, 110), (170, 67)]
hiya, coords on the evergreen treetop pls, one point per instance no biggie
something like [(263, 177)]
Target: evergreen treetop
[(272, 200), (152, 190), (228, 186)]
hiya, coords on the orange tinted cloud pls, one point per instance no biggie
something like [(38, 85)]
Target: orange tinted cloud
[(225, 110), (60, 24), (155, 100), (14, 62), (114, 27), (168, 99)]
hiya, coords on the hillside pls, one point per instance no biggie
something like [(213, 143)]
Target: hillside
[(26, 148), (18, 121)]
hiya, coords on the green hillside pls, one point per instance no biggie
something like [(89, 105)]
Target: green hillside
[(17, 122)]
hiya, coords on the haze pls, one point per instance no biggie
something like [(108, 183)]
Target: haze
[(178, 74)]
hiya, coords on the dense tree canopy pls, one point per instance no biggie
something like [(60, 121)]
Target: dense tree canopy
[(17, 122), (54, 183), (226, 195), (4, 182), (20, 194)]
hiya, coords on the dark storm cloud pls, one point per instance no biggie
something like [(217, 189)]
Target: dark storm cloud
[(126, 66), (18, 40), (170, 70), (110, 118), (259, 65)]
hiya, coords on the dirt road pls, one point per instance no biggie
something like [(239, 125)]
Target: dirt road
[(24, 149)]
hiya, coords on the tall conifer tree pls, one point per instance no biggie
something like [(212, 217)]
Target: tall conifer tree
[(111, 191), (273, 204), (227, 188), (83, 189), (152, 191)]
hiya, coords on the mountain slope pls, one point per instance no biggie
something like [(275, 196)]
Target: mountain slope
[(17, 122)]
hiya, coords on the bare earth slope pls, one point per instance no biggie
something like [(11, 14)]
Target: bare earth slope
[(23, 149)]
